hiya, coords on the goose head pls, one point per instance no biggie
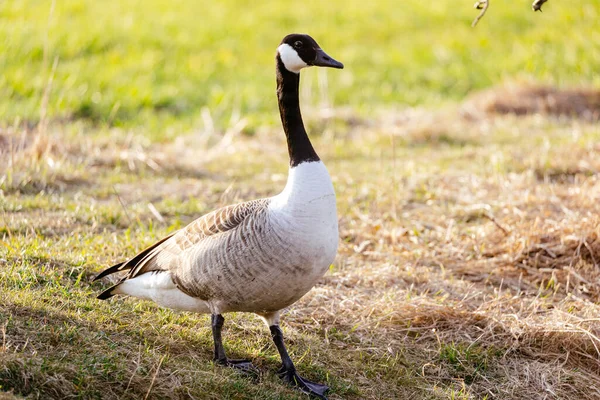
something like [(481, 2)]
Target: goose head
[(298, 51)]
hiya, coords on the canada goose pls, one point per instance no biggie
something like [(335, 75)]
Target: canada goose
[(259, 256)]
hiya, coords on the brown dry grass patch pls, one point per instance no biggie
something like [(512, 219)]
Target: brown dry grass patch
[(530, 99)]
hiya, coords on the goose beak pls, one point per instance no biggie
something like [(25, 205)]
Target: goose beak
[(323, 60)]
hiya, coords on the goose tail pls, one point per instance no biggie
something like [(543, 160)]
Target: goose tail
[(108, 271), (108, 293)]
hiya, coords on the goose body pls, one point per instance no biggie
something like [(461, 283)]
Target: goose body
[(259, 256), (276, 252)]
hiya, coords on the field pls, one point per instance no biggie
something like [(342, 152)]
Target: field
[(466, 164)]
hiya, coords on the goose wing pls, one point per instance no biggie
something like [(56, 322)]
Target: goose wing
[(216, 222), (160, 255)]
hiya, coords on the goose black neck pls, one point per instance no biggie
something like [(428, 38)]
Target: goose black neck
[(299, 147)]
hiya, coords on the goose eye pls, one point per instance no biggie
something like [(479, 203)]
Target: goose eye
[(298, 44)]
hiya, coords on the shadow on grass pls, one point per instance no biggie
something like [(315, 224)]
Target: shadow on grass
[(50, 355)]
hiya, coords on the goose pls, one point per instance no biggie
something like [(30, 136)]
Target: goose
[(259, 256)]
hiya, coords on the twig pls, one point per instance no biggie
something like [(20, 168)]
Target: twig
[(154, 377), (122, 205), (137, 366), (394, 178), (46, 97), (46, 94), (491, 218), (537, 5), (156, 213), (483, 6), (3, 348), (585, 243)]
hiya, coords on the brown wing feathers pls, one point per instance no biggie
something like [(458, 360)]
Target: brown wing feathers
[(221, 220)]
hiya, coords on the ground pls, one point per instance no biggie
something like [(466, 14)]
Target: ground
[(468, 265), (469, 260)]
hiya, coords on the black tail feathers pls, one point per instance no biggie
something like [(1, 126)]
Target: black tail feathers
[(108, 271), (107, 294)]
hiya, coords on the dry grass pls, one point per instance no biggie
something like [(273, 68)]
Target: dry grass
[(528, 99), (469, 264)]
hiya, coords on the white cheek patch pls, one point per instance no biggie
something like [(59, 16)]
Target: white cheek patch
[(290, 58)]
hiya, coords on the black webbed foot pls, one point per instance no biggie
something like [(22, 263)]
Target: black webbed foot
[(304, 385), (288, 373), (244, 366)]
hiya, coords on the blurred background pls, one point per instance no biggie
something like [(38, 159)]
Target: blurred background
[(466, 163), (153, 65)]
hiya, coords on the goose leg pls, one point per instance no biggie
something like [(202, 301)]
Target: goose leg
[(288, 373), (220, 358)]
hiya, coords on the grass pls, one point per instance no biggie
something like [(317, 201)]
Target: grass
[(470, 245), (152, 65), (474, 275)]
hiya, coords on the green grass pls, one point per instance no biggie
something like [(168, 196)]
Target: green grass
[(152, 65)]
